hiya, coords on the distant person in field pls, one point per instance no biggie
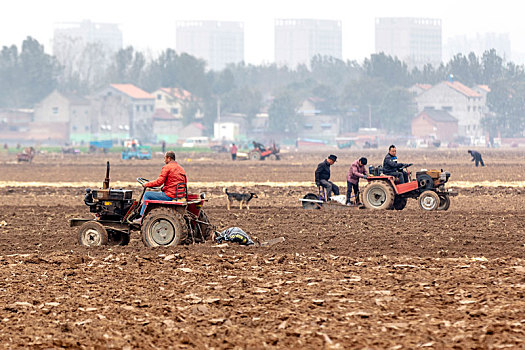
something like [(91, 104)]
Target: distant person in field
[(476, 156), (322, 176), (357, 171), (233, 151)]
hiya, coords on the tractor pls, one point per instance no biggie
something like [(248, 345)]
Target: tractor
[(26, 156), (384, 191), (164, 223), (259, 152)]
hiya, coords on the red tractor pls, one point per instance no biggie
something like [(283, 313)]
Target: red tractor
[(259, 152), (26, 156), (164, 223), (383, 191)]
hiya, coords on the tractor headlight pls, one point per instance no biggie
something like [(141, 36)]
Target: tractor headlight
[(203, 195)]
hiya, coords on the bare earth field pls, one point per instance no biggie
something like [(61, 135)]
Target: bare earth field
[(344, 278)]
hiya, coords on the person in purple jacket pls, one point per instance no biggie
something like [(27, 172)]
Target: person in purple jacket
[(357, 171)]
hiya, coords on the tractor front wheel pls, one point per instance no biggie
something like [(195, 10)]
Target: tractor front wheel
[(429, 200), (444, 202), (163, 227), (92, 234), (378, 195), (254, 155)]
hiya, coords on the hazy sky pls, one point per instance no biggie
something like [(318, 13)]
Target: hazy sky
[(151, 24)]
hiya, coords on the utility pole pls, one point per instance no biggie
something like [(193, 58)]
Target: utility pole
[(370, 116), (218, 110)]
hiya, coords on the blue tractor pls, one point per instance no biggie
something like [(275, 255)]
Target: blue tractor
[(140, 152)]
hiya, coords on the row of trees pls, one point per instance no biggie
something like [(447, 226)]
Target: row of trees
[(377, 86)]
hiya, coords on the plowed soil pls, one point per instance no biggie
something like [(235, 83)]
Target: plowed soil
[(343, 278)]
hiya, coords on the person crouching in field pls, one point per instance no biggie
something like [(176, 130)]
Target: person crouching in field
[(357, 171)]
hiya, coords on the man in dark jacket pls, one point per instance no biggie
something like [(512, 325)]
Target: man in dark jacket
[(322, 175), (392, 167), (476, 156)]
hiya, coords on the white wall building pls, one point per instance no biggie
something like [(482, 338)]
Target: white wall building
[(87, 32), (218, 43), (478, 44), (416, 41), (298, 40), (463, 103)]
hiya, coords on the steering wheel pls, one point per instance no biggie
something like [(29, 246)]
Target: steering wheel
[(406, 165), (142, 180)]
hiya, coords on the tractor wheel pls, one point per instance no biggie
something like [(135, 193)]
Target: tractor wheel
[(311, 205), (118, 237), (400, 203), (254, 155), (378, 195), (444, 202), (92, 234), (206, 231), (272, 157), (163, 227), (429, 200)]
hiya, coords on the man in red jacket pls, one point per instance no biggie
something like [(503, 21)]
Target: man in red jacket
[(171, 175)]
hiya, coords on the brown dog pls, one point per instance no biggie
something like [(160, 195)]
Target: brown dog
[(243, 198)]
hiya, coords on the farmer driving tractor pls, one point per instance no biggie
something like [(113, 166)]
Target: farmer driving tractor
[(392, 167), (171, 175)]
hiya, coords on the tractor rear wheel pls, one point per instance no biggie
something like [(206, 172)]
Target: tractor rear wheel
[(400, 203), (429, 200), (92, 234), (378, 195), (311, 205), (163, 227), (444, 202), (254, 155)]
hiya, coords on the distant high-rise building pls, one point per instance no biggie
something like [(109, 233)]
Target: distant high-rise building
[(416, 41), (218, 43), (478, 44), (87, 32), (298, 40)]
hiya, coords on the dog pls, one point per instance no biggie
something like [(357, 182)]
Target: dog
[(244, 198)]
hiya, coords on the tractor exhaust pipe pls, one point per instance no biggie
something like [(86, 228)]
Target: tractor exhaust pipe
[(106, 180)]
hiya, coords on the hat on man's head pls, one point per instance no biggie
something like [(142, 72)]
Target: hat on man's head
[(332, 157)]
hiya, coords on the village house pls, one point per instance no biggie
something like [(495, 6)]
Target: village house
[(314, 124), (61, 118), (465, 104), (123, 111), (14, 125), (435, 124)]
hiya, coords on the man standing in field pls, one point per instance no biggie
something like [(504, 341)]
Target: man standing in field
[(322, 176), (233, 151), (357, 171), (476, 156), (171, 175)]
